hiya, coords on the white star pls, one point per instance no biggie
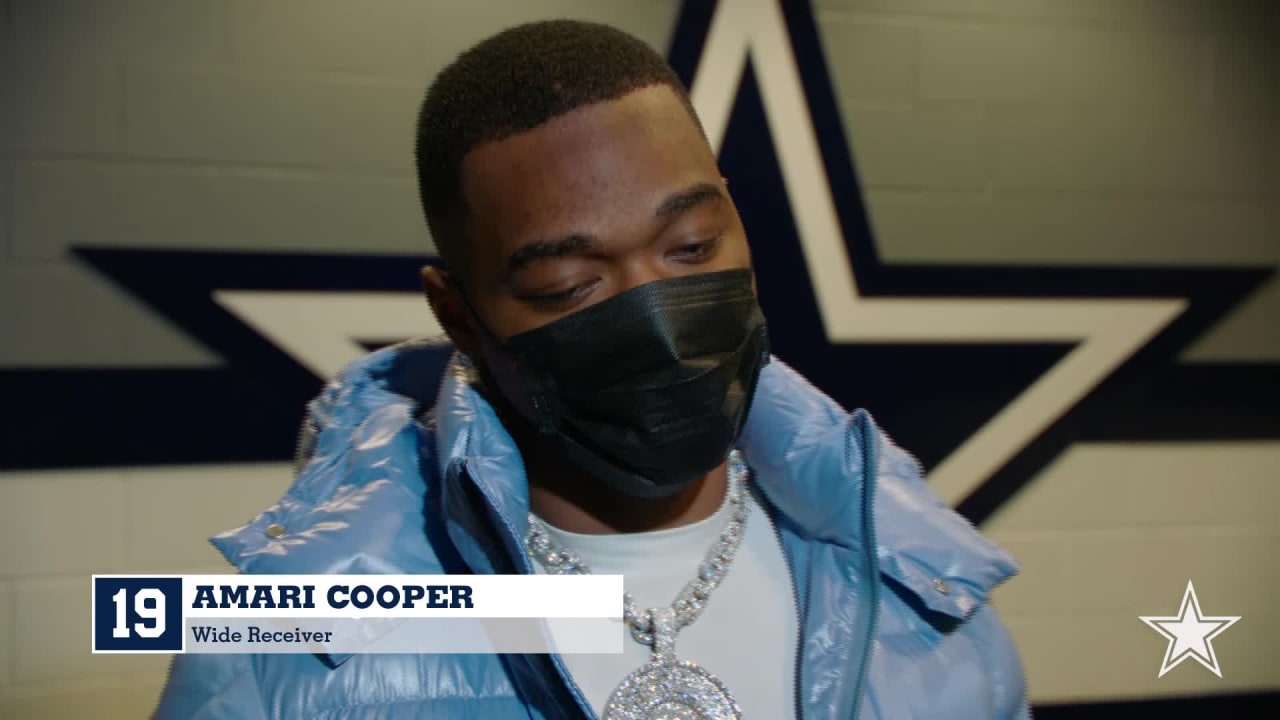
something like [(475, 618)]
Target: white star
[(1190, 634)]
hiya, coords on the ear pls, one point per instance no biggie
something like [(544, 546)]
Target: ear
[(444, 295)]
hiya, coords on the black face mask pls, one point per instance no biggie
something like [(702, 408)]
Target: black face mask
[(648, 390)]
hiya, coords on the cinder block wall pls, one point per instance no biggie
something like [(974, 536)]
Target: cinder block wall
[(1000, 131)]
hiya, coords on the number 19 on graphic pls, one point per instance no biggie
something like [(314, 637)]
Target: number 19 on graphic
[(137, 614)]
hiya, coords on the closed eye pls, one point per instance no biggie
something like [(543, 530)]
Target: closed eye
[(559, 300), (694, 252)]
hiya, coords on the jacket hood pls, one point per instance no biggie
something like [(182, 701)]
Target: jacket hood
[(385, 465)]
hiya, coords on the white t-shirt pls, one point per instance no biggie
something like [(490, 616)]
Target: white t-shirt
[(747, 633)]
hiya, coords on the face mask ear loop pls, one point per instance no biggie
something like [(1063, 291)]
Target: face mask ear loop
[(533, 386)]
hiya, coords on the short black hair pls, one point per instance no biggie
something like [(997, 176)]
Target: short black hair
[(514, 82)]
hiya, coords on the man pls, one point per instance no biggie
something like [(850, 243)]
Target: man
[(611, 358)]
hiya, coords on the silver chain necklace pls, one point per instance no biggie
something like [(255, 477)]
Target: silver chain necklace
[(665, 688)]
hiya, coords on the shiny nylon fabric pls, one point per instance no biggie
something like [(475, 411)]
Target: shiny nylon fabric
[(648, 390), (827, 476)]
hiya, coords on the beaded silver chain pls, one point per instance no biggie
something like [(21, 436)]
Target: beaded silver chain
[(691, 600)]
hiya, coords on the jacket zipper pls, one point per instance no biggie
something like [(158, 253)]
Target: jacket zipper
[(873, 565), (765, 507)]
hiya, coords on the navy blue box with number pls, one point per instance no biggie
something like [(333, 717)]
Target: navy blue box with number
[(137, 614)]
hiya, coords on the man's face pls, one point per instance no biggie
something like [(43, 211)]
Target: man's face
[(597, 201)]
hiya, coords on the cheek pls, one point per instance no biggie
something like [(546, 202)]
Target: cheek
[(495, 312), (512, 317)]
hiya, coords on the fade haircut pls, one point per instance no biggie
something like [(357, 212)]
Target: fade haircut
[(514, 82)]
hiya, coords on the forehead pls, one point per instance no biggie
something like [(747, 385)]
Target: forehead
[(588, 171)]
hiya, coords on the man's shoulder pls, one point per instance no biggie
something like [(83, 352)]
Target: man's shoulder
[(364, 478), (940, 572), (927, 546), (800, 438)]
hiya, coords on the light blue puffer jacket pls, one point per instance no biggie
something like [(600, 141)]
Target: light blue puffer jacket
[(892, 586)]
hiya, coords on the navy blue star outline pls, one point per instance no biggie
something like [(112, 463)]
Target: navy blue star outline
[(929, 397)]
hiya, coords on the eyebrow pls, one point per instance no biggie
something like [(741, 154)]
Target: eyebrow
[(687, 199), (578, 244), (559, 247)]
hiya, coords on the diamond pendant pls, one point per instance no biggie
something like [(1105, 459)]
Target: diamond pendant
[(667, 688)]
